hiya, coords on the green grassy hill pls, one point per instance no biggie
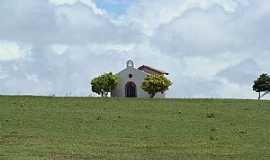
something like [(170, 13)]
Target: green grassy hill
[(45, 128)]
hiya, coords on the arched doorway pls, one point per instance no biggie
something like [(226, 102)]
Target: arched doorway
[(131, 90)]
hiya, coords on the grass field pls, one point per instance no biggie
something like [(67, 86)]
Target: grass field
[(46, 128)]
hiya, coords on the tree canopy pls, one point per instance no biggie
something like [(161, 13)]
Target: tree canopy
[(104, 84), (153, 84), (262, 85)]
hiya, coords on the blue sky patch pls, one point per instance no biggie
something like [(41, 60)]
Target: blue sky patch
[(114, 7)]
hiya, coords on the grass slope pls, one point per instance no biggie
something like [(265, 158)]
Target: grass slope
[(44, 128)]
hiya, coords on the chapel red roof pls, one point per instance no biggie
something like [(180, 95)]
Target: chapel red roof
[(151, 70)]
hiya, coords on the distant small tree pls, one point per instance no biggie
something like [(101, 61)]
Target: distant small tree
[(153, 84), (104, 84), (262, 85)]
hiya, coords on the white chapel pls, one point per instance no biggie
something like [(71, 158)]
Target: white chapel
[(131, 78)]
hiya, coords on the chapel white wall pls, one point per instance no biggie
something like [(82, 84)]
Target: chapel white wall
[(137, 77)]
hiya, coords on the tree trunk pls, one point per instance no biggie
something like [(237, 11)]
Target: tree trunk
[(152, 95), (259, 96), (264, 94)]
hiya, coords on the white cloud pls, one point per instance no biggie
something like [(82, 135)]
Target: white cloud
[(212, 48), (242, 73), (59, 48), (149, 16), (11, 51), (61, 2), (89, 3)]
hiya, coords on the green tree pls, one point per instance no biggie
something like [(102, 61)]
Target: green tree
[(104, 84), (154, 83), (262, 85)]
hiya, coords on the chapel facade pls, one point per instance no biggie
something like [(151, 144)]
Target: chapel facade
[(130, 80)]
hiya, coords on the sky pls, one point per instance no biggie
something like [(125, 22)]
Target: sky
[(211, 48)]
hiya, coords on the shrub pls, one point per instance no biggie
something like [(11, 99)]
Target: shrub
[(104, 84), (154, 83)]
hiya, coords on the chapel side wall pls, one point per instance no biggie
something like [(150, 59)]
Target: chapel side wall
[(160, 95)]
